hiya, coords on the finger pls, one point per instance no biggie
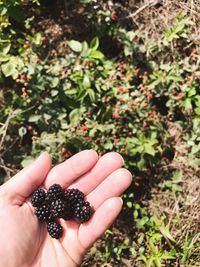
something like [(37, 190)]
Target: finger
[(101, 220), (66, 172), (112, 186), (104, 167), (30, 178)]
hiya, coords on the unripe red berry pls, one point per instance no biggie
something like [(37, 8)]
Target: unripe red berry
[(116, 115), (29, 128), (145, 124), (114, 16)]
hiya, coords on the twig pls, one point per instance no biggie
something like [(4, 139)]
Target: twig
[(11, 115), (149, 4), (6, 168), (8, 148), (5, 128)]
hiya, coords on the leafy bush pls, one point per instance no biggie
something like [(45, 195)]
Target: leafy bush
[(86, 101)]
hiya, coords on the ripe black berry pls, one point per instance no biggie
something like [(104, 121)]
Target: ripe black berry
[(68, 212), (82, 211), (43, 212), (54, 229), (73, 196), (67, 215), (54, 192), (57, 208), (38, 197)]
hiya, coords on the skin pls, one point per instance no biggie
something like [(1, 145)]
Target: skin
[(24, 240)]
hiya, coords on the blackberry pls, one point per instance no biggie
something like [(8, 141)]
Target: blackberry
[(38, 197), (68, 212), (43, 212), (73, 196), (57, 208), (82, 211), (55, 230), (67, 215), (54, 192)]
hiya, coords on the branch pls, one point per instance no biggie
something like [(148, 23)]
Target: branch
[(149, 4)]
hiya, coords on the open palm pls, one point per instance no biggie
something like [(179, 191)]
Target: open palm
[(25, 241)]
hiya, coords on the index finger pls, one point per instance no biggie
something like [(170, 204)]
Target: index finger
[(65, 173)]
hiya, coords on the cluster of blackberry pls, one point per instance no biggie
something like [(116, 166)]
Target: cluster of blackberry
[(59, 203)]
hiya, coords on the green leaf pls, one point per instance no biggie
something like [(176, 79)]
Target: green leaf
[(129, 204), (76, 115), (148, 148), (192, 92), (177, 176), (8, 69), (187, 103), (70, 91), (85, 50), (75, 46), (96, 54), (141, 164), (142, 222), (3, 57), (54, 82), (168, 256), (22, 131), (165, 232), (38, 38), (133, 252), (5, 48), (108, 145), (157, 261), (86, 81), (47, 117), (54, 93), (34, 118), (94, 43), (91, 95)]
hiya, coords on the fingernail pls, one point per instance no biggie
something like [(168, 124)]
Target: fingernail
[(41, 155), (122, 159), (121, 200), (94, 152)]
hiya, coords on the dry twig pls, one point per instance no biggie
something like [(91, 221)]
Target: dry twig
[(147, 5)]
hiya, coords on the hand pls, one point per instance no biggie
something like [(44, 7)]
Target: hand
[(25, 241)]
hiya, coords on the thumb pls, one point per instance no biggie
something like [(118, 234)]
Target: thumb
[(30, 178)]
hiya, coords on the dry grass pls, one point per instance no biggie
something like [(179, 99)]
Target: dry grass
[(156, 15)]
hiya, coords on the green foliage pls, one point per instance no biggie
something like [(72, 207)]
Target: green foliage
[(96, 99), (9, 10), (174, 184)]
